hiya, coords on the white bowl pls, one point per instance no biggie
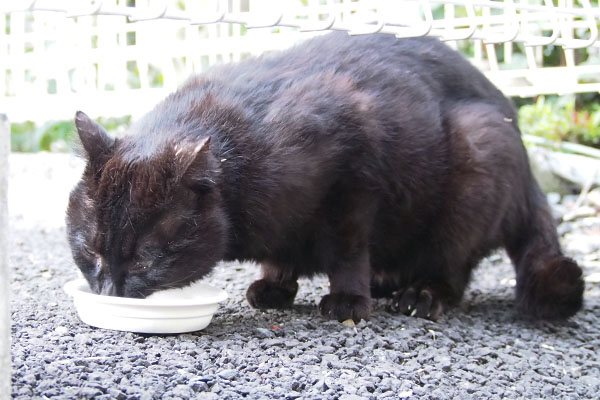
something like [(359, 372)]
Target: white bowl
[(171, 311)]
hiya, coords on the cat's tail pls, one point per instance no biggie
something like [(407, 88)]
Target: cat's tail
[(549, 285)]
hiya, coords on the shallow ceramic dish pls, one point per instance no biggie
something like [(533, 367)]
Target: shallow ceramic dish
[(170, 311)]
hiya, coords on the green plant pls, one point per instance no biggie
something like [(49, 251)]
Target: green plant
[(56, 136), (114, 124), (22, 137), (559, 119)]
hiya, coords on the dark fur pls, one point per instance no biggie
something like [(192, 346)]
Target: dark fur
[(391, 165)]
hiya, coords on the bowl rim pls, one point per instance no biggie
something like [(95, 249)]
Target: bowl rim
[(79, 288)]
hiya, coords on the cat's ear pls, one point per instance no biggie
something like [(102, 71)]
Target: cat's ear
[(193, 165), (96, 142)]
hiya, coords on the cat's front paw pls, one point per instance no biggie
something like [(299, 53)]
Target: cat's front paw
[(266, 294), (552, 292), (341, 306), (423, 301)]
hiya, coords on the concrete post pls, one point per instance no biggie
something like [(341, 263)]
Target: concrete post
[(5, 359)]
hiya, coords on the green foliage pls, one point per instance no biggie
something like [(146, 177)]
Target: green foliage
[(559, 119), (22, 137), (56, 136), (156, 76), (115, 124)]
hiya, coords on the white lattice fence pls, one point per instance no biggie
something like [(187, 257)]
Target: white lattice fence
[(118, 57)]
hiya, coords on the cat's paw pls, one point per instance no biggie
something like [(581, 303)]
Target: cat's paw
[(552, 292), (342, 306), (265, 294), (421, 301)]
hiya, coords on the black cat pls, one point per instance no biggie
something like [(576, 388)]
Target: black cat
[(391, 165)]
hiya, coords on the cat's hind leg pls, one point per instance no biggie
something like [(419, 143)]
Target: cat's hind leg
[(549, 285), (511, 210), (276, 289)]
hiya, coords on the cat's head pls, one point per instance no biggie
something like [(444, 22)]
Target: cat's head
[(140, 224)]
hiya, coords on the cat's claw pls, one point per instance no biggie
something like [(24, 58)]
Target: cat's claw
[(422, 303)]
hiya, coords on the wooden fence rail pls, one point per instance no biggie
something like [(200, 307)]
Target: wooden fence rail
[(120, 57)]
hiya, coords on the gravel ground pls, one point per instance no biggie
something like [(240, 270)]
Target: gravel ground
[(481, 349)]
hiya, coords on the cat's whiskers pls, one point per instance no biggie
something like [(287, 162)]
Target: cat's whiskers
[(171, 285)]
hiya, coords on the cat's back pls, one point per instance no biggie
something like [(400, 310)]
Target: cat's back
[(405, 82), (376, 62)]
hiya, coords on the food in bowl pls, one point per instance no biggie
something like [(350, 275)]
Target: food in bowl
[(186, 309)]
